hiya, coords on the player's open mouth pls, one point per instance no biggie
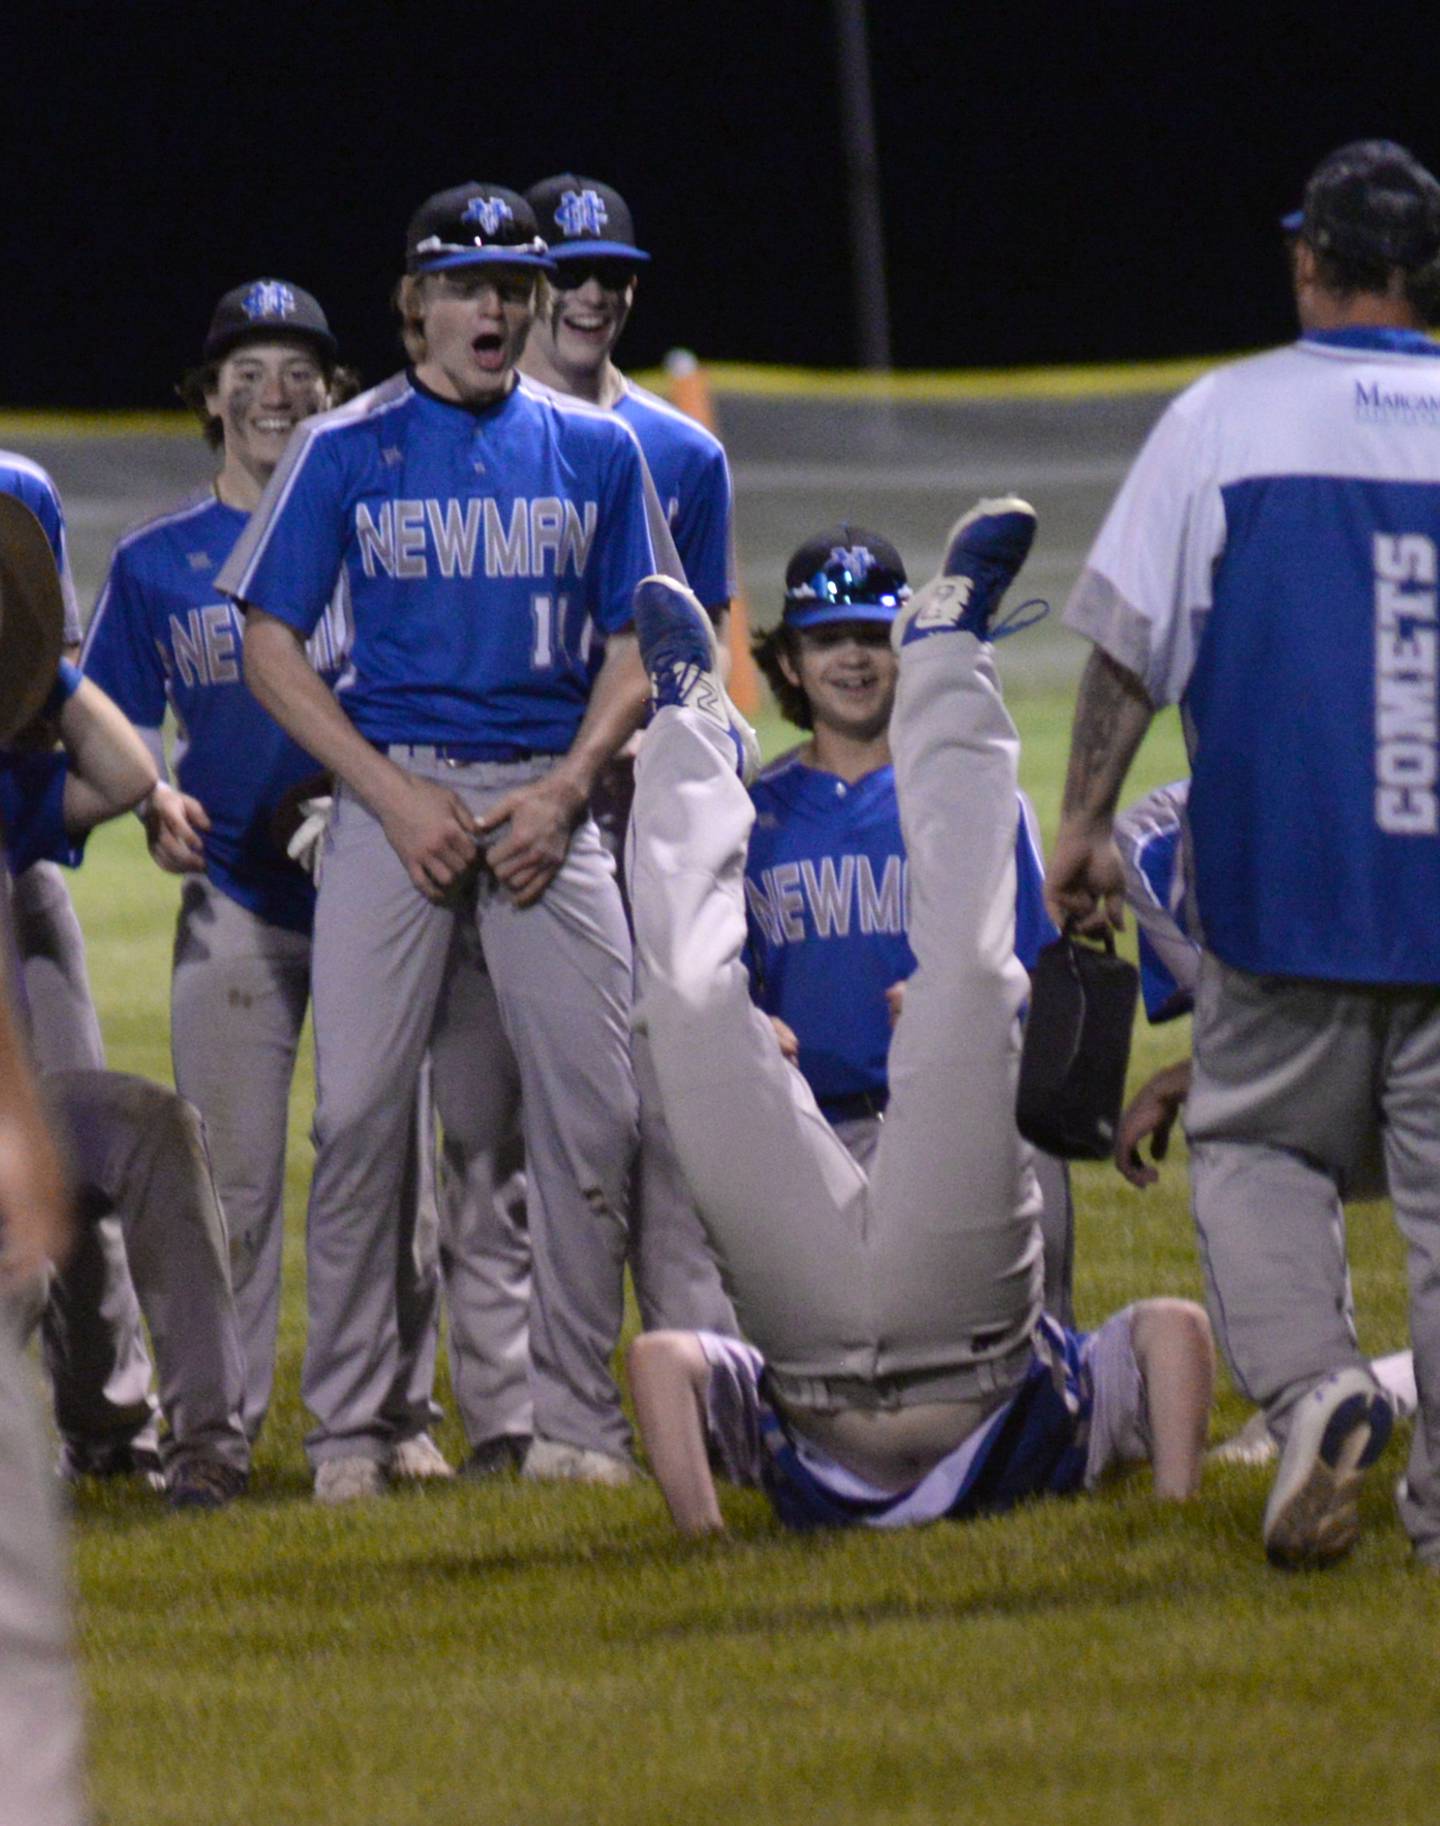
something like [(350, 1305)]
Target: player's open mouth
[(489, 351), (587, 326), (278, 425)]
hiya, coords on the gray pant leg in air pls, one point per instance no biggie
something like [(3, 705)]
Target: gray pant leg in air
[(934, 1265), (41, 1780)]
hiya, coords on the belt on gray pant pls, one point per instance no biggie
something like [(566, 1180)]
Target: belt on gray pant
[(852, 1108), (958, 1382), (460, 754)]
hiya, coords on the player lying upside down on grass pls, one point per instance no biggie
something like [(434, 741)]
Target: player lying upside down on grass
[(901, 1367)]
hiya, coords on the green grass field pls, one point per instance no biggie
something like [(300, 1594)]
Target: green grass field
[(513, 1656)]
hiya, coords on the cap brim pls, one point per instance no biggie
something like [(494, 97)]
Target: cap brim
[(598, 250), (483, 256), (1292, 223), (32, 617), (804, 615), (218, 347)]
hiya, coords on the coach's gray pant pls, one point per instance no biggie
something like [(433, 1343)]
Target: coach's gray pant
[(40, 1735), (238, 997), (91, 1336), (1296, 1085), (561, 973), (926, 1272)]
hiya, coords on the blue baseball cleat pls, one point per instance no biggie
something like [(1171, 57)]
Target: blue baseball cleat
[(985, 549), (1336, 1433), (678, 649)]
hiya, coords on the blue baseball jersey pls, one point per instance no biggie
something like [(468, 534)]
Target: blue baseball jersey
[(1271, 564), (1150, 836), (29, 483), (692, 479), (826, 905), (485, 553), (32, 799), (163, 634)]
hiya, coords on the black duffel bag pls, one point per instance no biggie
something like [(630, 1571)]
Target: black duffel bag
[(1077, 1048)]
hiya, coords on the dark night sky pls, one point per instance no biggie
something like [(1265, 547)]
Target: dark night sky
[(1068, 182)]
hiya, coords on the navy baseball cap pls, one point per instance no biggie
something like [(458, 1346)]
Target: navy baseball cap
[(584, 219), (1371, 200), (268, 307), (844, 574), (474, 225)]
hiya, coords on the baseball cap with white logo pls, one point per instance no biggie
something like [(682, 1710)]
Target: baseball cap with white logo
[(584, 219), (844, 574), (268, 307), (474, 225)]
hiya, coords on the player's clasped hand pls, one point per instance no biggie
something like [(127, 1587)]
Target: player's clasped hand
[(433, 832), (174, 822), (539, 818)]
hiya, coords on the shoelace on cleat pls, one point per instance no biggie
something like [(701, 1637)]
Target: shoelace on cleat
[(1010, 622)]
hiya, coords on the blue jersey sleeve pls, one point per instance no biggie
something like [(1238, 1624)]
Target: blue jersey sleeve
[(703, 534), (289, 556), (29, 483), (626, 551), (1034, 928), (32, 811), (120, 652)]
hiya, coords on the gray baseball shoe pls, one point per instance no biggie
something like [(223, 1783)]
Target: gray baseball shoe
[(1336, 1433), (348, 1480)]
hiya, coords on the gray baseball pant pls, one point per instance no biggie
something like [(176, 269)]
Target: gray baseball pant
[(861, 1134), (484, 1238), (1294, 1084), (41, 1781), (91, 1336), (922, 1279), (138, 1150), (237, 1007), (486, 1252), (561, 975)]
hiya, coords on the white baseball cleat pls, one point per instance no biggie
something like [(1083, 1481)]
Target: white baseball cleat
[(679, 651), (1336, 1433), (419, 1460), (1254, 1444), (551, 1461), (348, 1480)]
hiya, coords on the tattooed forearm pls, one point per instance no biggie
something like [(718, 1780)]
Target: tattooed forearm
[(1112, 714)]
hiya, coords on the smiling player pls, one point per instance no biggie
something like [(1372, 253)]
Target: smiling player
[(829, 946), (162, 636)]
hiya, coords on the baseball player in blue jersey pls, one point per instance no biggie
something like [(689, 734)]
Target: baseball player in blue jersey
[(583, 306), (489, 540), (93, 1345), (1271, 564), (825, 890), (902, 1367), (163, 637)]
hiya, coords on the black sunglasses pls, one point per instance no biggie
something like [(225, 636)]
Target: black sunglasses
[(570, 275)]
